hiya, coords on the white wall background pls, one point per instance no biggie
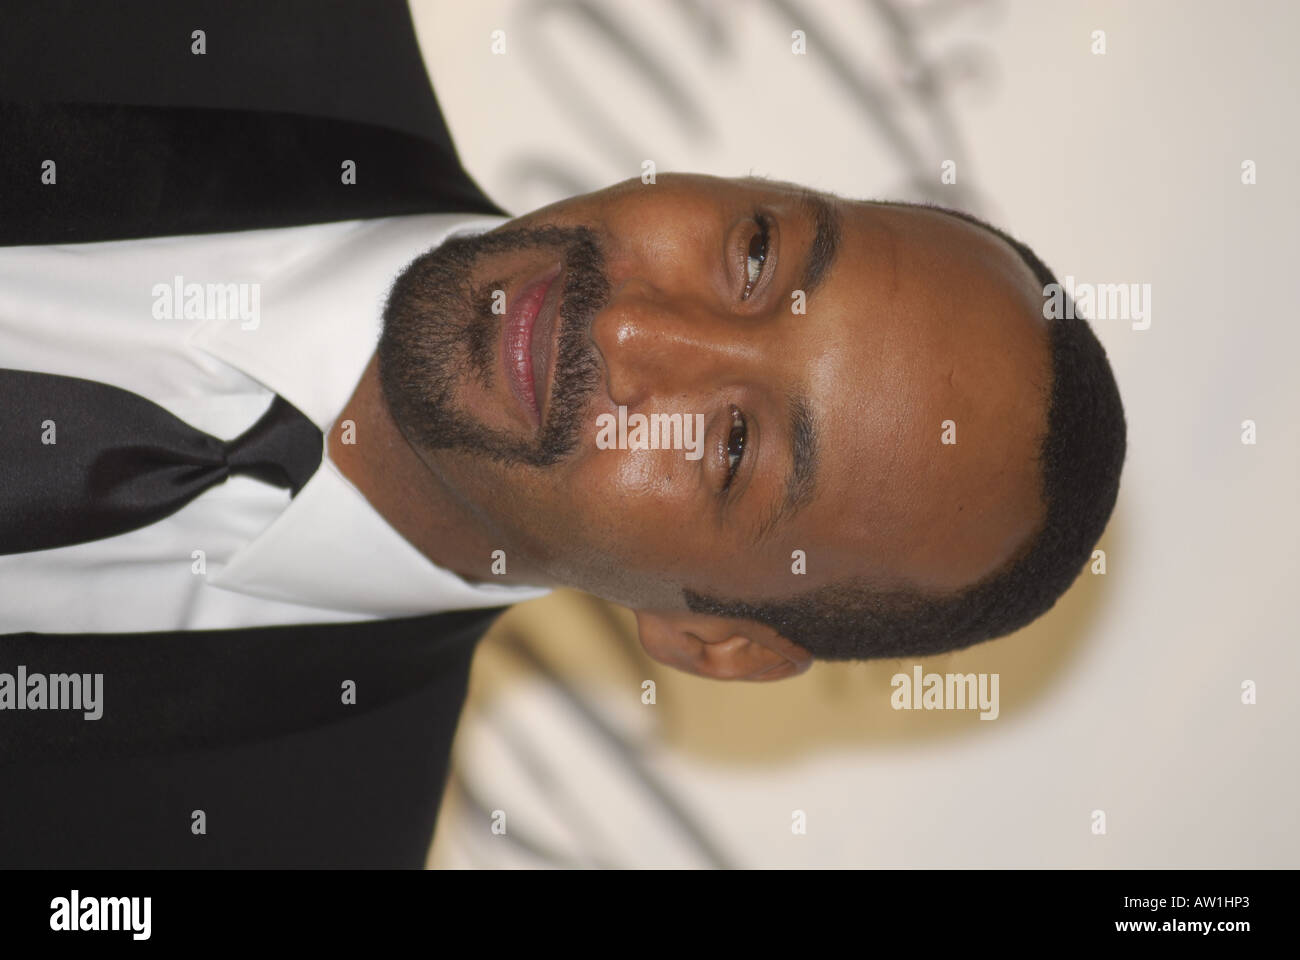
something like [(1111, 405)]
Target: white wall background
[(1123, 167)]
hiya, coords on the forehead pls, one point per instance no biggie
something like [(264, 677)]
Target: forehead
[(927, 329)]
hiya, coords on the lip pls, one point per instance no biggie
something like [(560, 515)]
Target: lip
[(525, 357)]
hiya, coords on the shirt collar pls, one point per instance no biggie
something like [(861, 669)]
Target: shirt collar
[(321, 304)]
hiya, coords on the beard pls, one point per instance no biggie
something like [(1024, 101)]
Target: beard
[(439, 329)]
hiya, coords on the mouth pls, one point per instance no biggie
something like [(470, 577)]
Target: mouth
[(528, 342)]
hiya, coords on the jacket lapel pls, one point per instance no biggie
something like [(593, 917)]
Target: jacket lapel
[(182, 691), (123, 172)]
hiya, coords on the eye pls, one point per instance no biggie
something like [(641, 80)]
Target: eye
[(735, 445), (756, 255)]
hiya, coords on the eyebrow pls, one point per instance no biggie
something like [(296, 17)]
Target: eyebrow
[(801, 481), (825, 245), (804, 458)]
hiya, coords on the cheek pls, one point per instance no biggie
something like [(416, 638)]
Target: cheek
[(632, 475), (625, 538), (649, 485), (630, 507), (660, 229)]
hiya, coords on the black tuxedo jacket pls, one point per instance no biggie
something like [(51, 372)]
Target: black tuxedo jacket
[(227, 747)]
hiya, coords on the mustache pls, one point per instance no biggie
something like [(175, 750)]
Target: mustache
[(584, 294), (430, 348), (577, 369)]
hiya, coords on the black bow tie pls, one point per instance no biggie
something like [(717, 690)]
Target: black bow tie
[(81, 460)]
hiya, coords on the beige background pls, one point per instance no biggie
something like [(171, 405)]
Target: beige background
[(1123, 167)]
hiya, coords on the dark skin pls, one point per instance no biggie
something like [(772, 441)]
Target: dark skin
[(918, 319)]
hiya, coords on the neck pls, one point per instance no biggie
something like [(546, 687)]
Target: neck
[(398, 484)]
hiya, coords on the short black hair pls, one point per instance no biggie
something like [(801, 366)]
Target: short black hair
[(1081, 456)]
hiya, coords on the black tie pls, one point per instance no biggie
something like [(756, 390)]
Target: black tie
[(119, 461)]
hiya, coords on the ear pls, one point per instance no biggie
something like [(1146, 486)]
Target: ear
[(719, 648)]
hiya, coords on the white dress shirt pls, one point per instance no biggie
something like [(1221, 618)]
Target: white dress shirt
[(92, 310)]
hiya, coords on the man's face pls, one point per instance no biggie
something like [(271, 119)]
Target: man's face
[(826, 345)]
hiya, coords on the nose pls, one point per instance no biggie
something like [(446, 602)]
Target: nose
[(657, 344)]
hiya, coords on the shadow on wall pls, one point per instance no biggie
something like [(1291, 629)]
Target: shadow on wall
[(876, 60)]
